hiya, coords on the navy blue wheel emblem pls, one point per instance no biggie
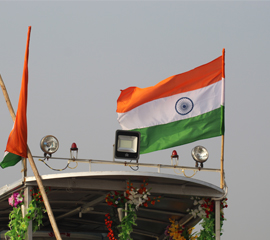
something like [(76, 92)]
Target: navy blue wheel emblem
[(184, 105)]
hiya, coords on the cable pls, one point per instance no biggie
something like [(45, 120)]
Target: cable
[(134, 168), (73, 167), (54, 168)]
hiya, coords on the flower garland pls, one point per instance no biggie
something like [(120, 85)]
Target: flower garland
[(109, 223), (18, 224), (134, 198), (177, 232), (206, 211)]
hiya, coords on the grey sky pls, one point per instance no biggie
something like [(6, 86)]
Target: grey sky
[(83, 53)]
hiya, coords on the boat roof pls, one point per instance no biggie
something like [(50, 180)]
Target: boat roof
[(78, 201)]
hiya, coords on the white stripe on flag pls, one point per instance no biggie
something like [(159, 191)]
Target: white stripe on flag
[(162, 111)]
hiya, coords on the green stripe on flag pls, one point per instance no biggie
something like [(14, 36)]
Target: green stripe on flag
[(208, 125), (9, 160)]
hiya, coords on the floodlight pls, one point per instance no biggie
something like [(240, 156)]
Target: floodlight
[(127, 145), (49, 145), (200, 155)]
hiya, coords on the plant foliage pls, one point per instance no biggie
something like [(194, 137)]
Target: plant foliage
[(18, 224)]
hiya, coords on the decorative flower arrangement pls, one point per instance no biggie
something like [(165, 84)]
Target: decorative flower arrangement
[(177, 232), (18, 224), (15, 199), (140, 196), (116, 199), (206, 211), (134, 198)]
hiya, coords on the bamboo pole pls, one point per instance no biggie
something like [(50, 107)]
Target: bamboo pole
[(34, 168), (222, 163), (222, 138), (24, 169), (10, 108)]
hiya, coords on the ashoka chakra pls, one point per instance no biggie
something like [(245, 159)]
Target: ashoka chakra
[(184, 105)]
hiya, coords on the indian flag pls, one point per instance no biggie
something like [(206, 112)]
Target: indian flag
[(178, 110), (17, 141)]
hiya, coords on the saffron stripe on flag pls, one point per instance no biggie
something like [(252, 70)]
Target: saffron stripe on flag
[(199, 77), (162, 111)]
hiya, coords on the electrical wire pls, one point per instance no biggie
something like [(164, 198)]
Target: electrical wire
[(54, 168), (134, 168)]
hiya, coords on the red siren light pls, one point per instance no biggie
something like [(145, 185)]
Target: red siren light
[(174, 155), (74, 151), (74, 147)]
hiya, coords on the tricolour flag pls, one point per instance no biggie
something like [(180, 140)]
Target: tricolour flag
[(178, 110), (17, 141)]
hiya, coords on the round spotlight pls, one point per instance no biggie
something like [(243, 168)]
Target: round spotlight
[(200, 154), (49, 144)]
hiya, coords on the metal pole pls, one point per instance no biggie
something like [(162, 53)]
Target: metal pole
[(27, 200), (217, 219), (128, 164)]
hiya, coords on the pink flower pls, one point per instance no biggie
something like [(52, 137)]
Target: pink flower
[(11, 200), (15, 199)]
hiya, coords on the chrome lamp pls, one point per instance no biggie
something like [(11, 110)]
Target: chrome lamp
[(200, 155), (49, 145)]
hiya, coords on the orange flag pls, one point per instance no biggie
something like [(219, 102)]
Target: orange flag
[(17, 141)]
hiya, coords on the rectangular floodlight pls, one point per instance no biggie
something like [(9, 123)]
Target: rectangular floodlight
[(127, 145)]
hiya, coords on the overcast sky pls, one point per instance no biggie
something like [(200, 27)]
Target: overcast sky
[(83, 53)]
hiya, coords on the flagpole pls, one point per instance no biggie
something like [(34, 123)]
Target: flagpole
[(34, 168), (24, 170), (222, 163), (222, 137)]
